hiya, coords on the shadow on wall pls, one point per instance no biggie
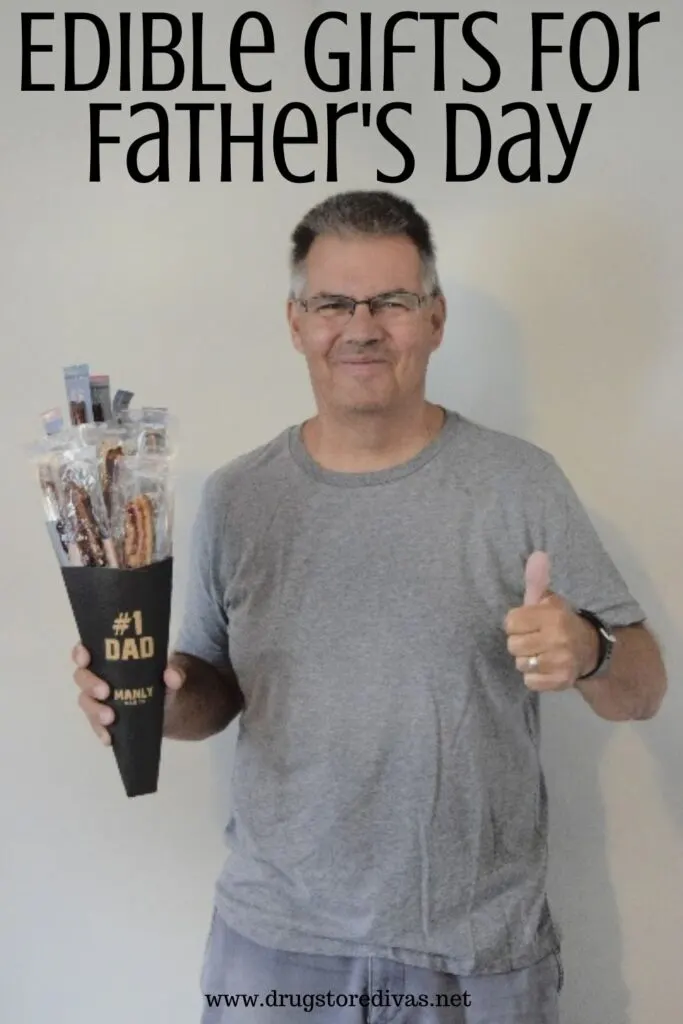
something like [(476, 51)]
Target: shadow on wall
[(480, 371), (614, 789)]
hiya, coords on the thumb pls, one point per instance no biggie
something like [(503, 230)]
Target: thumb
[(174, 677), (536, 577)]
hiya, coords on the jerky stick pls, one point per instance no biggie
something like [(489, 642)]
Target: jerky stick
[(87, 535), (139, 532), (109, 455)]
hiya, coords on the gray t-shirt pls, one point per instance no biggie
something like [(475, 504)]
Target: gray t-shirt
[(387, 793)]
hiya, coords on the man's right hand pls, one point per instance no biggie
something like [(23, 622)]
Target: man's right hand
[(94, 692)]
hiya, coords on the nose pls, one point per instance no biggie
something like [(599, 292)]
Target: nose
[(362, 326)]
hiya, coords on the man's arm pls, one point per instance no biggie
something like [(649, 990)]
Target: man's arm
[(205, 702), (203, 694), (634, 686)]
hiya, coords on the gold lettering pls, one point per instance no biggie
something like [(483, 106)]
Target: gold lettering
[(147, 647), (130, 649), (150, 691), (118, 694), (112, 649)]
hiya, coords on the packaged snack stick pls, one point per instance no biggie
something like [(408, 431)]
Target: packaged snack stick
[(52, 422), (142, 510), (112, 441), (47, 463), (83, 509), (77, 381), (100, 398), (154, 434), (122, 400), (139, 536), (151, 428)]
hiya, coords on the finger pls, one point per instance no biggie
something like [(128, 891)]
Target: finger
[(522, 665), (523, 645), (91, 684), (536, 577), (81, 656), (99, 716), (525, 620), (546, 681), (536, 682), (554, 664), (174, 677)]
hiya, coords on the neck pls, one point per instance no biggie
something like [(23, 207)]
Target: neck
[(365, 442)]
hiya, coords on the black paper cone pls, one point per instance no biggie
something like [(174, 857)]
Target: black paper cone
[(123, 619)]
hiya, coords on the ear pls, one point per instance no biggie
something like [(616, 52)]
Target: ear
[(293, 319), (438, 320)]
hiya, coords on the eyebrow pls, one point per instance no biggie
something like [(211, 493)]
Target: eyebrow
[(377, 295)]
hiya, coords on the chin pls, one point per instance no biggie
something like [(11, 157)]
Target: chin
[(370, 405)]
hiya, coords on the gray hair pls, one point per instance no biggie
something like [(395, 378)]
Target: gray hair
[(364, 213)]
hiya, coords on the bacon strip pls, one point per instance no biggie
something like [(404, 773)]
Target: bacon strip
[(139, 532)]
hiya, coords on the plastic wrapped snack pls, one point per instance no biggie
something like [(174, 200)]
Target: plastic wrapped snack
[(150, 430), (78, 394), (100, 398), (155, 433), (83, 507), (122, 400), (142, 509), (48, 455), (107, 489), (53, 422), (112, 441)]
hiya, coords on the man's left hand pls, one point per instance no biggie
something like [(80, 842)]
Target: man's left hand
[(548, 628)]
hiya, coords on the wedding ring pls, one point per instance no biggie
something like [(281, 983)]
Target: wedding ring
[(532, 662)]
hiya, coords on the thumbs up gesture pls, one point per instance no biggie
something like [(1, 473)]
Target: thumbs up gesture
[(551, 644)]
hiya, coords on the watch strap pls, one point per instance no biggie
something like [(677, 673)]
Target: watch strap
[(605, 639)]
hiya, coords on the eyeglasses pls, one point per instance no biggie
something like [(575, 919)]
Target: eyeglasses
[(387, 307)]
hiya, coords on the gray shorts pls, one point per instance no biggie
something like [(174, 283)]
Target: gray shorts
[(284, 988)]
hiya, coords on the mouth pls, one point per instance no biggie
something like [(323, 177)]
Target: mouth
[(360, 367), (361, 362)]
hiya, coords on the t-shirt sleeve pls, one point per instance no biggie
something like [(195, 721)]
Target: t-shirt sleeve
[(204, 627), (581, 570)]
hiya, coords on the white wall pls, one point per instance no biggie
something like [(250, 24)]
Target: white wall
[(566, 318)]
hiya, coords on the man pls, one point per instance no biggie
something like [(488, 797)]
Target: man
[(382, 594)]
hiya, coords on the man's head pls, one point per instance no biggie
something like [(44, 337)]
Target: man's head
[(365, 246)]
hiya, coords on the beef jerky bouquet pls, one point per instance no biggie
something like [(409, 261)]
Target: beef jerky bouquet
[(108, 496)]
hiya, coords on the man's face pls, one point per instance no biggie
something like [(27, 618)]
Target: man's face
[(365, 362)]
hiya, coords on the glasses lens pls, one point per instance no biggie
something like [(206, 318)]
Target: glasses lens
[(331, 307), (395, 304)]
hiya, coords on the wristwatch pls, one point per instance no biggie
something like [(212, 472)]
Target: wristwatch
[(607, 641)]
